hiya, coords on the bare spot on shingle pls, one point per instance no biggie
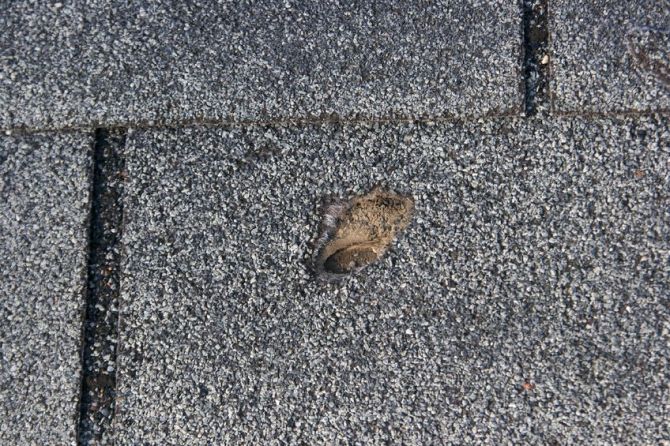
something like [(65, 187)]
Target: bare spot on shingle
[(357, 232)]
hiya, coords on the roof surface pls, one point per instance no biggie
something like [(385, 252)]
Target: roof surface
[(164, 169)]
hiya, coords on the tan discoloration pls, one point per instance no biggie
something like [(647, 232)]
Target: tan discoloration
[(358, 232)]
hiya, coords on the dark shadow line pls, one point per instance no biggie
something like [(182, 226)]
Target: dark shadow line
[(535, 49), (100, 319)]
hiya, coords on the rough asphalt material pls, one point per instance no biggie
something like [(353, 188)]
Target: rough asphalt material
[(526, 303), (44, 206), (86, 63), (610, 56)]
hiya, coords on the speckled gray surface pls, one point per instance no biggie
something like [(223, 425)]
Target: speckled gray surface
[(122, 63), (44, 203), (596, 49), (526, 303)]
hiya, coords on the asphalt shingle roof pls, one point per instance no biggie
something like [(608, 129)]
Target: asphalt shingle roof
[(610, 56), (526, 303), (535, 258), (99, 63), (44, 205)]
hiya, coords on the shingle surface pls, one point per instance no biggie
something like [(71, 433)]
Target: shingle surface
[(44, 203), (526, 303), (610, 56), (137, 63)]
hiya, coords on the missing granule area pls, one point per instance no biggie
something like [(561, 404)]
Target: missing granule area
[(357, 232)]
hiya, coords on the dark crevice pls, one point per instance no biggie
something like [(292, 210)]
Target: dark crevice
[(536, 56), (100, 332)]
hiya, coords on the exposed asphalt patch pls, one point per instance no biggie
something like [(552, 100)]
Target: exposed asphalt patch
[(98, 389), (357, 232)]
